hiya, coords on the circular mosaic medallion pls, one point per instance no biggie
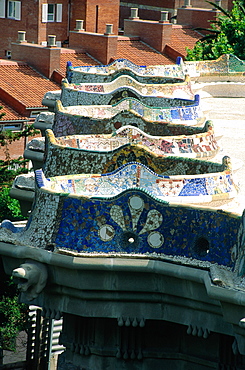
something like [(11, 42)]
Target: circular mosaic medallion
[(155, 239), (106, 233), (136, 202)]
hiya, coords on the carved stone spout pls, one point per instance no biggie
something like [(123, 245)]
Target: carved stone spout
[(31, 278)]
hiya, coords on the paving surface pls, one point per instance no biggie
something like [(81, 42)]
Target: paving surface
[(20, 353), (228, 116)]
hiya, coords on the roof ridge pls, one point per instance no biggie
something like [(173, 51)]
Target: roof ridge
[(72, 51), (6, 62), (128, 38), (151, 47)]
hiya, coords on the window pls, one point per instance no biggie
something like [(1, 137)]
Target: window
[(14, 9), (34, 113), (10, 9), (51, 12), (2, 9), (13, 127)]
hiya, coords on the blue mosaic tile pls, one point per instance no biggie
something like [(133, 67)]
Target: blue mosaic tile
[(107, 226)]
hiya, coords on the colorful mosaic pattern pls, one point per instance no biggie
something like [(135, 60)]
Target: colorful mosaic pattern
[(179, 181), (132, 223), (73, 95), (104, 119), (63, 160), (180, 90), (65, 155), (135, 223), (199, 145), (145, 74)]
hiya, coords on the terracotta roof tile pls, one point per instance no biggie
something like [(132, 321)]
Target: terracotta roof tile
[(140, 53), (10, 113), (183, 37), (77, 59), (25, 84)]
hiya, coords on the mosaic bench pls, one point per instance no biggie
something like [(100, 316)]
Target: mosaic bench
[(103, 153), (132, 222), (104, 119), (61, 159), (170, 90), (72, 95), (177, 179), (107, 73), (172, 178), (65, 155), (203, 144)]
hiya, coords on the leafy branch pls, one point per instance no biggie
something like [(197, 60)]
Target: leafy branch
[(226, 35)]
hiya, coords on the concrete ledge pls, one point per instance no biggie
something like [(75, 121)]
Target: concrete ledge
[(132, 264), (36, 157), (25, 198)]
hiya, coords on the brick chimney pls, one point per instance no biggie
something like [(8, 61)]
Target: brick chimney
[(155, 34), (103, 47), (196, 17), (44, 59)]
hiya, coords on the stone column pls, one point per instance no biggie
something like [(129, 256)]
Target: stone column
[(51, 40), (218, 3), (164, 17), (79, 25), (134, 13), (187, 4), (108, 30), (21, 36)]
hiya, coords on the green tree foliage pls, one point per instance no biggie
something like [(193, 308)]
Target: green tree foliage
[(9, 169), (226, 35), (13, 315), (9, 207)]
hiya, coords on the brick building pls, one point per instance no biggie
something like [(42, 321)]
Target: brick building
[(40, 19), (151, 9)]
